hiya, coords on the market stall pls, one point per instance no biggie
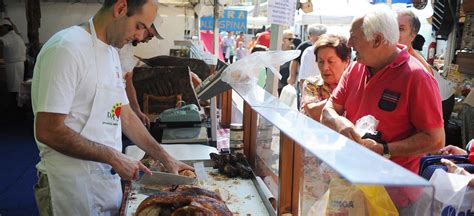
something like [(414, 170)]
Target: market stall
[(306, 168)]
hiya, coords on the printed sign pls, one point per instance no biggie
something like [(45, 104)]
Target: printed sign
[(281, 12), (231, 20)]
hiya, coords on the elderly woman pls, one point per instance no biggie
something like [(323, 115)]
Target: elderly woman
[(332, 57)]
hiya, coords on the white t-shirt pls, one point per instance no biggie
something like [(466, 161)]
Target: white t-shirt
[(308, 66), (66, 74), (446, 87), (14, 49), (127, 58)]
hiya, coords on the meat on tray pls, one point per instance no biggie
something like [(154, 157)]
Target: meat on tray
[(232, 165), (155, 165), (187, 201)]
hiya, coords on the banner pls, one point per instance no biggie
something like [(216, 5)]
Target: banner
[(231, 20)]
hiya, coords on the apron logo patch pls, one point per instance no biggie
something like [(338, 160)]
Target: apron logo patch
[(114, 114), (389, 100)]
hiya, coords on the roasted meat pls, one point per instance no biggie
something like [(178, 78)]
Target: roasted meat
[(232, 165), (188, 173), (190, 201)]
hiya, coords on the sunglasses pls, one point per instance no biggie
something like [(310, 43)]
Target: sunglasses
[(290, 39)]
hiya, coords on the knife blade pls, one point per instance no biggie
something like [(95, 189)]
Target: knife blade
[(163, 178)]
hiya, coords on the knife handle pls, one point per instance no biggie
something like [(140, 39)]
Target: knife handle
[(140, 173)]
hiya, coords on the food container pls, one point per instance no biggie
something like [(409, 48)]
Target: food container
[(236, 146), (236, 132)]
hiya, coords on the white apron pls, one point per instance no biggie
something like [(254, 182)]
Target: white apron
[(15, 72), (80, 187)]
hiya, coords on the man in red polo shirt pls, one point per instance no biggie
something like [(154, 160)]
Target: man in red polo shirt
[(389, 84)]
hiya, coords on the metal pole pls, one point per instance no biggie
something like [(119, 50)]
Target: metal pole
[(216, 53), (451, 42), (271, 83)]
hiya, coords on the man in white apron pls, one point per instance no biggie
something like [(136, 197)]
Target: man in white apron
[(14, 53), (80, 108)]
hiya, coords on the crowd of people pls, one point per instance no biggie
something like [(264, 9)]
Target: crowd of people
[(388, 79)]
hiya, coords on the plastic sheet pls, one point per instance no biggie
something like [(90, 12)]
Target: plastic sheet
[(247, 69)]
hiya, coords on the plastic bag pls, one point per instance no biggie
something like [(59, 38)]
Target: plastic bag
[(452, 191), (288, 96), (378, 201), (247, 69), (342, 198), (366, 124)]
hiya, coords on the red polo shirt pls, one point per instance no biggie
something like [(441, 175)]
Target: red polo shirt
[(402, 96)]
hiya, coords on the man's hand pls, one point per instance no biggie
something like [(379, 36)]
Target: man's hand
[(174, 166), (346, 128), (372, 145), (128, 168)]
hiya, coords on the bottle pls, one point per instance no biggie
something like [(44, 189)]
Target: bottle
[(236, 143)]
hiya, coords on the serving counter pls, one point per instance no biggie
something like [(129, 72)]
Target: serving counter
[(312, 170)]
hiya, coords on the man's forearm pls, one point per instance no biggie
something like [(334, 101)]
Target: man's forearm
[(419, 143), (138, 134), (66, 141)]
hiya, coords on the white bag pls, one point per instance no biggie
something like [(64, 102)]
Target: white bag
[(288, 96), (452, 191)]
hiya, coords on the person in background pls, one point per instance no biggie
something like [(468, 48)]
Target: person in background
[(307, 66), (263, 38), (240, 51), (314, 31), (228, 47), (287, 44), (262, 76), (409, 25), (252, 43), (296, 41), (418, 43), (128, 62), (14, 54), (240, 38), (387, 83), (332, 57), (80, 107)]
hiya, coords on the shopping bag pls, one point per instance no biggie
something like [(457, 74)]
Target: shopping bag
[(288, 96), (342, 198), (453, 193), (378, 201)]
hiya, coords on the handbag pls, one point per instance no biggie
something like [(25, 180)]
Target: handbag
[(428, 164)]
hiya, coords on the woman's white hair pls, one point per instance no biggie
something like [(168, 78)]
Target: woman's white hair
[(381, 19)]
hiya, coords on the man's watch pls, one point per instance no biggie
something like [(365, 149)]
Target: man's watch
[(386, 151)]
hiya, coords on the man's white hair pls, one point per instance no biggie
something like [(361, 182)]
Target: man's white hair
[(381, 19)]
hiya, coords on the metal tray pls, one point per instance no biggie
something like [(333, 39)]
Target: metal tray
[(242, 196)]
